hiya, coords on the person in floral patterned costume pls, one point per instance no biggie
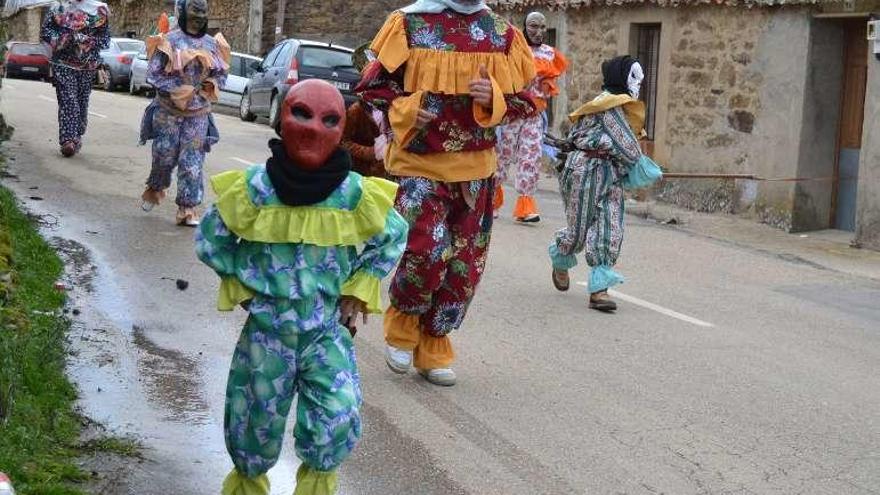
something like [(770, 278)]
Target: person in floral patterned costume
[(520, 142), (303, 242), (188, 68), (76, 31), (605, 137), (447, 73)]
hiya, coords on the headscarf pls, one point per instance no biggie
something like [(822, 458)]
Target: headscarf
[(526, 26), (615, 74), (90, 7), (437, 6)]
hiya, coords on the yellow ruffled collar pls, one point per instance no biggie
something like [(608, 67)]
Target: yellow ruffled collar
[(634, 109), (318, 225)]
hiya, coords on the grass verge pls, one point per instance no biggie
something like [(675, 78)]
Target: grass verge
[(39, 426), (39, 429)]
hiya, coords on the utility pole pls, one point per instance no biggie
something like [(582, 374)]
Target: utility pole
[(255, 27), (279, 20)]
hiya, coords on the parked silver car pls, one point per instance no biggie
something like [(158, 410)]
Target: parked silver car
[(137, 78), (240, 70), (116, 61), (289, 62)]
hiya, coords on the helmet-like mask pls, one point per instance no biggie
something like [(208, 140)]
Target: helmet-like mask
[(192, 16), (312, 121)]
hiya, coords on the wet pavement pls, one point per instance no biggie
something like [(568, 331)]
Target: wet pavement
[(729, 368)]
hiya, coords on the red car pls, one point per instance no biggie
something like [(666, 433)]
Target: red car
[(28, 60)]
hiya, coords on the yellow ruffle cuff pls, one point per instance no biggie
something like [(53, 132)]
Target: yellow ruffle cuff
[(367, 288), (238, 484), (313, 482), (402, 115), (451, 72), (486, 117), (318, 225), (232, 293)]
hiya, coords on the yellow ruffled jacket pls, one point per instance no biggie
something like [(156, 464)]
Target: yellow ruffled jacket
[(248, 232), (448, 73)]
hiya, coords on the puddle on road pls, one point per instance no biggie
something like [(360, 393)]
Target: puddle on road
[(115, 358), (173, 380)]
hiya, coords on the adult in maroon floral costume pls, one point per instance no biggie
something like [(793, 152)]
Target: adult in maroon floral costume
[(447, 73)]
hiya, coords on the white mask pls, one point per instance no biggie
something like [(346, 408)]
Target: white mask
[(634, 81)]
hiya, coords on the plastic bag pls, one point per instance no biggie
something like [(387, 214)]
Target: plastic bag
[(643, 174)]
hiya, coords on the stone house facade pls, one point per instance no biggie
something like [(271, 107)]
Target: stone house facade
[(780, 90), (251, 26)]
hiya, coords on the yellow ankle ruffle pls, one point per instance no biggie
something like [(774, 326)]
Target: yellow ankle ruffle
[(239, 484), (313, 482)]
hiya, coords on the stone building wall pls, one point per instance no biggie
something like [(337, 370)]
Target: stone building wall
[(729, 96), (341, 21), (868, 215), (24, 26), (734, 103), (228, 16)]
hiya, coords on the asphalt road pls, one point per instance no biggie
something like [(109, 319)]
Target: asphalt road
[(728, 369)]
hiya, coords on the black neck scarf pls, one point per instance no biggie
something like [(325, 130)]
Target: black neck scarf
[(615, 73), (296, 186)]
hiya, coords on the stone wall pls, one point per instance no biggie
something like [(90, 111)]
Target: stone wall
[(228, 16), (868, 212), (24, 26), (735, 104), (341, 21), (729, 99)]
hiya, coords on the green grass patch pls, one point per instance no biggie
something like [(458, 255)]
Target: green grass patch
[(39, 429)]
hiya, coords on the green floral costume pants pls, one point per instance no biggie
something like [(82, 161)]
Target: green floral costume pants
[(288, 348)]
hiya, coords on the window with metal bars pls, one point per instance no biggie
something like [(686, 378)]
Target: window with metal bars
[(648, 53)]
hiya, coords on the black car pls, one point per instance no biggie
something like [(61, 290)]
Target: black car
[(290, 62)]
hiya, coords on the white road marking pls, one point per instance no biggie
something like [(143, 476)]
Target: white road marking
[(657, 308), (53, 100), (8, 86), (242, 160)]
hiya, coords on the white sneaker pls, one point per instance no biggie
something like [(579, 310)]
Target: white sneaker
[(399, 360), (444, 377)]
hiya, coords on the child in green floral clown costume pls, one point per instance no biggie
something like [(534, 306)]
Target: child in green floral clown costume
[(303, 243)]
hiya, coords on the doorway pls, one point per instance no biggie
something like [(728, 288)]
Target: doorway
[(852, 113)]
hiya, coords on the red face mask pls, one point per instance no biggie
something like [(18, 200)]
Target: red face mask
[(312, 120)]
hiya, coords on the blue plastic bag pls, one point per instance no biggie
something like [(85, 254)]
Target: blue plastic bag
[(643, 174)]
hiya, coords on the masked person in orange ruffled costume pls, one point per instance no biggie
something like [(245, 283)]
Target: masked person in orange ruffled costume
[(520, 142), (448, 72)]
